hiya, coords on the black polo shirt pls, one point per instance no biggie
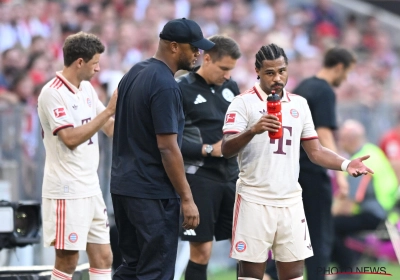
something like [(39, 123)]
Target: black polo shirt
[(149, 103), (322, 102), (205, 107)]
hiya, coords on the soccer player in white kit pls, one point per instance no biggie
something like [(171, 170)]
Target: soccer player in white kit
[(73, 209), (268, 210)]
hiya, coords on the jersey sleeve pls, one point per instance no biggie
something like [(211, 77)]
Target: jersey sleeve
[(308, 132), (54, 108), (166, 110), (236, 117)]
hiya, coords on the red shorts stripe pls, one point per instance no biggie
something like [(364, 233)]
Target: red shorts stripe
[(60, 224), (235, 218)]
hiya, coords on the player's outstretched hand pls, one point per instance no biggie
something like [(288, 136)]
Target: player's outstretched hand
[(266, 123), (113, 102), (191, 216), (357, 168)]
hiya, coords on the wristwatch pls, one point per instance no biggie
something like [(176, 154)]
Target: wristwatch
[(209, 149)]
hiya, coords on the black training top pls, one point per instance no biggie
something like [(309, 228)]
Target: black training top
[(205, 107), (149, 103), (322, 102)]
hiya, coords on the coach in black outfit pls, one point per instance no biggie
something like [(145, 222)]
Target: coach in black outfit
[(207, 93), (147, 176), (314, 179)]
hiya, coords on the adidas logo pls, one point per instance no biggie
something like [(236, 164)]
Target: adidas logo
[(200, 99), (190, 231)]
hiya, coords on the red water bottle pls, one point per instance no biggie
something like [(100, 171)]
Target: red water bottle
[(274, 107)]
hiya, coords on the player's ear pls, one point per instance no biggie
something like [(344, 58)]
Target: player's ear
[(207, 58), (258, 73), (174, 46), (79, 62), (339, 67)]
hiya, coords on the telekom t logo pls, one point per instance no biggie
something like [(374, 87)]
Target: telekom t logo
[(282, 140), (86, 121)]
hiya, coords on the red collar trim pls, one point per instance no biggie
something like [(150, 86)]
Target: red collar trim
[(66, 83), (258, 94)]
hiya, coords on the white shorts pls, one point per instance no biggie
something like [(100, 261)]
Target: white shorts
[(69, 224), (257, 228)]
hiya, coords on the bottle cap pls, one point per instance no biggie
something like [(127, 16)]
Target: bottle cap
[(273, 97)]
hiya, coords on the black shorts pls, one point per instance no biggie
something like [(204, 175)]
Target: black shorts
[(215, 201), (147, 237)]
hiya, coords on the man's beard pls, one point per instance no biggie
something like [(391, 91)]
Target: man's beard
[(184, 63)]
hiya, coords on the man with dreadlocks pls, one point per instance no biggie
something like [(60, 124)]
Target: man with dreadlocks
[(268, 210)]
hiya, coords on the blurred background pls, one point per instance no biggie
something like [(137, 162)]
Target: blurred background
[(32, 33)]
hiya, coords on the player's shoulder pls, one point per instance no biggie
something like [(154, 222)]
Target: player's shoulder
[(50, 88), (248, 94), (295, 97)]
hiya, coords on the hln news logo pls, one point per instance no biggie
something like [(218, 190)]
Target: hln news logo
[(360, 270)]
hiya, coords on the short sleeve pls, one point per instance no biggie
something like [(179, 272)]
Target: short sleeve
[(54, 108), (308, 132), (236, 118), (166, 111)]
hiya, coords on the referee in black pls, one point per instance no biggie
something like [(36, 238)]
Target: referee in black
[(207, 92)]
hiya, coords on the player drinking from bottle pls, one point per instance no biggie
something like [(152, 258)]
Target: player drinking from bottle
[(268, 209)]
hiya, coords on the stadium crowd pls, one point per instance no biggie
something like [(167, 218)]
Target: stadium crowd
[(32, 32)]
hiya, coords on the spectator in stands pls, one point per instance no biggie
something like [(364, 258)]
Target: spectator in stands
[(22, 86), (370, 198), (13, 61)]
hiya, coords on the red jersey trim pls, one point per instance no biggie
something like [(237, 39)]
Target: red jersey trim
[(249, 91), (287, 95), (66, 83), (231, 131), (61, 127), (57, 83), (309, 138), (258, 94)]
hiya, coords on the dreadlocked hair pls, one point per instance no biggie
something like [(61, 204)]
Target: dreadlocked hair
[(269, 52)]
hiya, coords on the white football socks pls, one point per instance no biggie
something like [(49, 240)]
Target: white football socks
[(99, 274), (59, 275)]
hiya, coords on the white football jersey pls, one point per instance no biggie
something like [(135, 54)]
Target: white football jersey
[(69, 173), (269, 168)]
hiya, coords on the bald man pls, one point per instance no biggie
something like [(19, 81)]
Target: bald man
[(370, 197), (148, 182)]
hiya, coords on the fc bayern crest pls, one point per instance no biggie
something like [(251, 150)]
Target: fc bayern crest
[(89, 102), (240, 246), (228, 94), (294, 113), (73, 237)]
